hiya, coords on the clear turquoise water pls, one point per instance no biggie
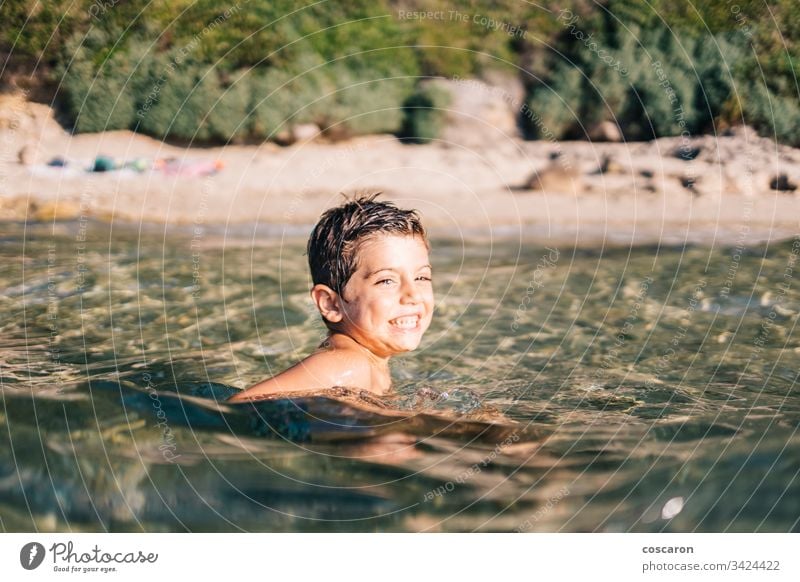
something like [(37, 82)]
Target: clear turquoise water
[(645, 389)]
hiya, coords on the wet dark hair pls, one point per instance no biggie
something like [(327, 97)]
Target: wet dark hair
[(334, 244)]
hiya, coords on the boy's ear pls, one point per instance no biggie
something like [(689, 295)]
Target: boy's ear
[(328, 302)]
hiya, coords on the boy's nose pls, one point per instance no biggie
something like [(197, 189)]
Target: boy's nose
[(410, 293)]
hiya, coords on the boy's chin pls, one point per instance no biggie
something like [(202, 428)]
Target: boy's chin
[(406, 346)]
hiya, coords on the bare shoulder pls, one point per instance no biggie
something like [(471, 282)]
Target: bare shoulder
[(340, 367), (319, 371)]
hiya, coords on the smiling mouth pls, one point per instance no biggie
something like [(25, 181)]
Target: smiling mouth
[(407, 322)]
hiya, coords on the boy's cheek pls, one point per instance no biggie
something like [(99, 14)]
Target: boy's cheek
[(427, 323)]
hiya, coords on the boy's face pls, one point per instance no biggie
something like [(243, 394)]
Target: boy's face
[(388, 301)]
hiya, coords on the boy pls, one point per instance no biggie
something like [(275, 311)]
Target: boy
[(372, 286)]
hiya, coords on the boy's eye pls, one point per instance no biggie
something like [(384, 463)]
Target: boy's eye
[(385, 282), (423, 278)]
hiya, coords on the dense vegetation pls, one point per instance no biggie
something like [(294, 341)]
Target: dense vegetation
[(212, 71)]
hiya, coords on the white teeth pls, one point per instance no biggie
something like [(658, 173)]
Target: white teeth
[(405, 322)]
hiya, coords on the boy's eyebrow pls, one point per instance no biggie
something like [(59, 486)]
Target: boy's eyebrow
[(376, 271)]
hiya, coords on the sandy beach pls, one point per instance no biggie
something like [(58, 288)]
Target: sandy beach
[(619, 193)]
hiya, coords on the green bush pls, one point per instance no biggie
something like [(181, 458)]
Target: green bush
[(351, 67), (181, 96), (553, 110), (311, 88), (98, 84), (189, 101), (366, 101), (229, 119), (659, 96), (282, 98), (775, 116), (272, 103), (717, 68), (423, 113), (656, 83)]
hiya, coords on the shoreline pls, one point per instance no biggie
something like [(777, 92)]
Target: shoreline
[(595, 193), (217, 236)]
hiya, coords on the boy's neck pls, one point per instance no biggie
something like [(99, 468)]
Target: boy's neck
[(340, 340)]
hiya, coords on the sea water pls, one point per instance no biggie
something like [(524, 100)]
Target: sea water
[(651, 388)]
